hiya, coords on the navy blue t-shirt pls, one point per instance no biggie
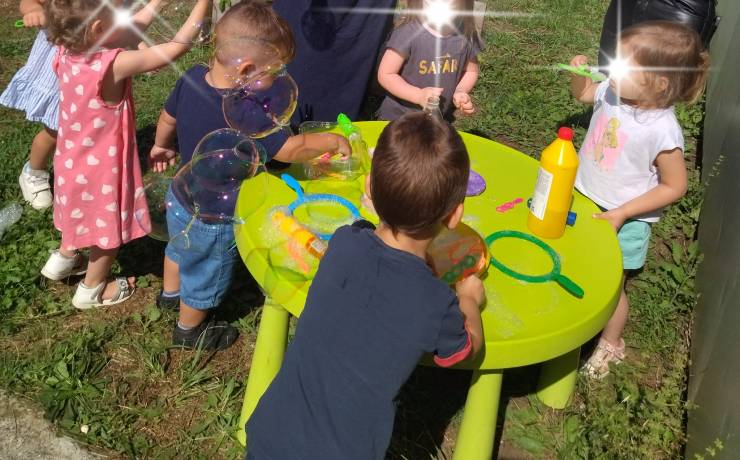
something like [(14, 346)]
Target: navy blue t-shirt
[(197, 107), (371, 313), (336, 53)]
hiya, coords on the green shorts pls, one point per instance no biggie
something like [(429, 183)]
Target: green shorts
[(634, 238)]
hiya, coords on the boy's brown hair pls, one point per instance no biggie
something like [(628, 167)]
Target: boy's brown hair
[(673, 51), (68, 22), (419, 174), (252, 20)]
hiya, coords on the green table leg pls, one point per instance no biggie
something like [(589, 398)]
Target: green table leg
[(269, 350), (558, 380), (478, 427)]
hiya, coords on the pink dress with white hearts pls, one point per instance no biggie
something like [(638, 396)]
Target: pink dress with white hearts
[(98, 192)]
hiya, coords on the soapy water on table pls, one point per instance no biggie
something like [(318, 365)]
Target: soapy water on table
[(285, 254)]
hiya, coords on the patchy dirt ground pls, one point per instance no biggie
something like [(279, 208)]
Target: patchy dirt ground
[(26, 435)]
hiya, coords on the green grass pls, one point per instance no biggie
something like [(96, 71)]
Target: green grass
[(112, 373)]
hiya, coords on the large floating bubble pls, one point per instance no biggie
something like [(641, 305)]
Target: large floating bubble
[(155, 187), (263, 105), (208, 185)]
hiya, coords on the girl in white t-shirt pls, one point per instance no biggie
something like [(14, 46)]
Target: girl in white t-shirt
[(631, 162)]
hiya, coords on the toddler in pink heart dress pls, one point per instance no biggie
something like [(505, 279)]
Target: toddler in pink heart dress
[(99, 200)]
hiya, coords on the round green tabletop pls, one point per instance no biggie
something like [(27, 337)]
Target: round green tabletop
[(523, 323)]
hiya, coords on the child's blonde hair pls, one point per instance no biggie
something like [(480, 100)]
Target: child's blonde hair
[(69, 22), (252, 19), (671, 51), (468, 20)]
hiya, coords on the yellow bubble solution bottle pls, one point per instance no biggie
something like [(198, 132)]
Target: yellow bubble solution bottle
[(553, 192)]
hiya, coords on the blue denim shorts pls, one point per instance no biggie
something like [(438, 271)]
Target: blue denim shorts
[(207, 265), (634, 239)]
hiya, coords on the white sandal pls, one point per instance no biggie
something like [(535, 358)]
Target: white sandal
[(86, 298), (597, 366)]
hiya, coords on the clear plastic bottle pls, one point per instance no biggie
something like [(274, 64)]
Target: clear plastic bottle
[(9, 215), (553, 191), (432, 107)]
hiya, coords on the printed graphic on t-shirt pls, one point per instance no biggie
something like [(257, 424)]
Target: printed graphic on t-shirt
[(605, 142), (438, 65)]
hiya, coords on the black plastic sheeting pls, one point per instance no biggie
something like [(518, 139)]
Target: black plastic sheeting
[(697, 14), (714, 381)]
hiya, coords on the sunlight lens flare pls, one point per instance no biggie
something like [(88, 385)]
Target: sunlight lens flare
[(122, 18), (618, 69), (438, 13)]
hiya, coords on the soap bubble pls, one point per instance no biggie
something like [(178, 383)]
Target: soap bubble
[(208, 185), (155, 187), (263, 105)]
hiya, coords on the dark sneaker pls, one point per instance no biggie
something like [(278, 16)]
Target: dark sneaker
[(168, 303), (210, 335)]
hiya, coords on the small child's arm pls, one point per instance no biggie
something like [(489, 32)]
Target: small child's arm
[(134, 62), (304, 147), (461, 97), (390, 78), (163, 154), (471, 295), (673, 184), (582, 88), (130, 37), (33, 13)]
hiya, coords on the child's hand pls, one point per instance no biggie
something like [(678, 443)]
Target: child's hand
[(579, 60), (463, 102), (428, 92), (342, 146), (615, 217), (35, 18), (161, 158), (471, 287)]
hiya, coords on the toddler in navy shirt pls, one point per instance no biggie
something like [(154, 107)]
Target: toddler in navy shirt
[(375, 308), (197, 279)]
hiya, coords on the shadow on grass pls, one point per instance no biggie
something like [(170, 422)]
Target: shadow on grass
[(430, 409), (578, 120)]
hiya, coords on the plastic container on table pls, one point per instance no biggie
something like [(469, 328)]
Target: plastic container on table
[(553, 193)]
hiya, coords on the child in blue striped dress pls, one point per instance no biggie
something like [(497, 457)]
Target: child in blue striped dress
[(35, 90)]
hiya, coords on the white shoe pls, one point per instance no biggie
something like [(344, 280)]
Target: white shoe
[(58, 267), (35, 188), (87, 298), (597, 366)]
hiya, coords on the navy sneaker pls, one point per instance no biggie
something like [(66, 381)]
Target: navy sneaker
[(209, 335), (168, 303)]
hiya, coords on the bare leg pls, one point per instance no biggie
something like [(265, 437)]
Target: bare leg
[(170, 276), (613, 331), (98, 270), (190, 317), (66, 253), (42, 148)]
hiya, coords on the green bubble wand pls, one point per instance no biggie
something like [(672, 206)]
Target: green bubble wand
[(553, 275), (585, 70)]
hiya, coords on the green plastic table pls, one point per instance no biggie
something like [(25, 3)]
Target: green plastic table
[(523, 323)]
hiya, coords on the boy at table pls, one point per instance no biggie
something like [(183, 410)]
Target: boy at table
[(375, 308), (197, 279)]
